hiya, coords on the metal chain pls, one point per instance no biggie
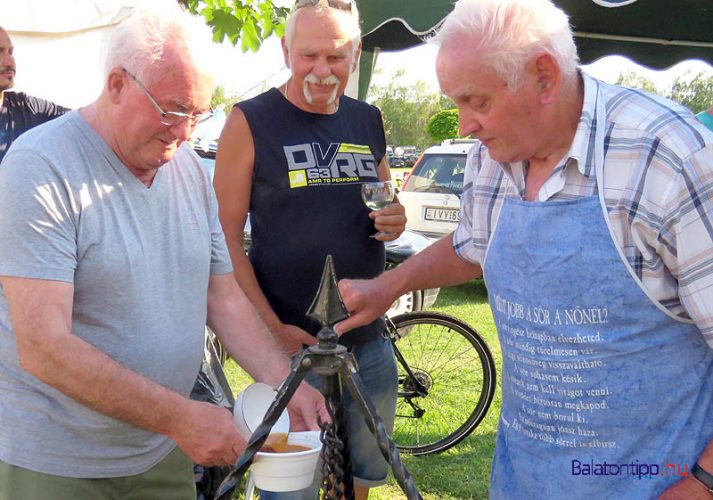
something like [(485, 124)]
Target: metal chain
[(336, 466)]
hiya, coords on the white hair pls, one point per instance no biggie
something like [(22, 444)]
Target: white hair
[(140, 41), (507, 33), (348, 22)]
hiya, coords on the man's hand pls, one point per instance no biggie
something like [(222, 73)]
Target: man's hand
[(688, 488), (291, 338), (304, 407), (391, 220), (365, 300), (207, 434)]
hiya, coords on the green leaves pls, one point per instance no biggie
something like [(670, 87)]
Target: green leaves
[(694, 92), (250, 36), (407, 109), (224, 23), (247, 22), (443, 125)]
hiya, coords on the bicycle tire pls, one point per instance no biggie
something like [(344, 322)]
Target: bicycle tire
[(456, 365)]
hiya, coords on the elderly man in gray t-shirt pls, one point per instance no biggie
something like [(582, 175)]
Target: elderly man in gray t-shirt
[(112, 259)]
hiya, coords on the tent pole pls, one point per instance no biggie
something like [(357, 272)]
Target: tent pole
[(367, 63)]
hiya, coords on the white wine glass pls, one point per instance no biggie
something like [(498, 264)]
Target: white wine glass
[(377, 195)]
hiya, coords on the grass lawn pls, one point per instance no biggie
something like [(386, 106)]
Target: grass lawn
[(464, 471)]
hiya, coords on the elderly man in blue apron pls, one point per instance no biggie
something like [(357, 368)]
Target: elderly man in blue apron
[(588, 209)]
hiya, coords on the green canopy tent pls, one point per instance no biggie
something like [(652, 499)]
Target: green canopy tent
[(654, 33), (395, 25)]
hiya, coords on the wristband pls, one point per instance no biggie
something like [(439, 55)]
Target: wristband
[(703, 476)]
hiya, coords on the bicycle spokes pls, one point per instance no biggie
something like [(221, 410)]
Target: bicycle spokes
[(446, 381)]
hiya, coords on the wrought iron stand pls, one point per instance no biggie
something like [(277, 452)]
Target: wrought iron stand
[(338, 369)]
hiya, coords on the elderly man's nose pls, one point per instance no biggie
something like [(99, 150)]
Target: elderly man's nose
[(321, 69), (467, 123), (182, 130)]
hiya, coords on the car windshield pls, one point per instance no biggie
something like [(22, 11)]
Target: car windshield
[(438, 173)]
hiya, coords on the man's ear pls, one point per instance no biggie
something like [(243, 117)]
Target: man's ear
[(285, 52), (116, 83), (548, 76), (355, 60)]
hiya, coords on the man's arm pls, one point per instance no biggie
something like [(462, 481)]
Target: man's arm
[(436, 266), (242, 332), (233, 183), (41, 314), (390, 220), (43, 110), (690, 488), (689, 258)]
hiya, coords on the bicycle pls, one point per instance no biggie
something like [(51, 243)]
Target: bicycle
[(446, 377)]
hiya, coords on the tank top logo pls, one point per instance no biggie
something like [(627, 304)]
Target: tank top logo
[(311, 164)]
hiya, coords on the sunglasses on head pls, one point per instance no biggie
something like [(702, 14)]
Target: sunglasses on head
[(335, 4)]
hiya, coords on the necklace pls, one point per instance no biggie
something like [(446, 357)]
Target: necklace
[(287, 96)]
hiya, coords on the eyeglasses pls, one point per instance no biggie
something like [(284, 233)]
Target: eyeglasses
[(335, 4), (170, 118)]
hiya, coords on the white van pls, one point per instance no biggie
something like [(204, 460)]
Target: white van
[(431, 193)]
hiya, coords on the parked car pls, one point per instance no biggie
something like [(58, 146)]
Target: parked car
[(409, 155), (398, 172), (397, 251), (432, 191), (396, 162)]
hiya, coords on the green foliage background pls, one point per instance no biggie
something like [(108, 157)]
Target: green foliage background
[(407, 110), (693, 91), (443, 125)]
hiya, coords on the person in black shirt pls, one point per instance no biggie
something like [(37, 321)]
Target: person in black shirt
[(19, 112), (296, 157)]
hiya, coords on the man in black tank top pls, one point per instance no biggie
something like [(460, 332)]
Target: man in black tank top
[(295, 157)]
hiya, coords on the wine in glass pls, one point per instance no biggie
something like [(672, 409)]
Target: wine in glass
[(377, 195)]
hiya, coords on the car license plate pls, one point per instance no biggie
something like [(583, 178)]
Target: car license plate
[(442, 214)]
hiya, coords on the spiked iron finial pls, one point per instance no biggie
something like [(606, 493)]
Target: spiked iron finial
[(327, 308)]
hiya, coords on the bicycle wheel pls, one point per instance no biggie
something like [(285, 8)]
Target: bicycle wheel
[(455, 372)]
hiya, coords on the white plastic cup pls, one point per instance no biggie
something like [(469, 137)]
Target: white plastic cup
[(288, 471), (276, 471), (250, 409)]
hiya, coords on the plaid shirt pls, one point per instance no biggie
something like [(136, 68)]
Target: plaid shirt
[(658, 188)]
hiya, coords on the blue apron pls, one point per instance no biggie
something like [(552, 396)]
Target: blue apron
[(605, 393)]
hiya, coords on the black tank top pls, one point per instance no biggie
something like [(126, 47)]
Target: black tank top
[(306, 201)]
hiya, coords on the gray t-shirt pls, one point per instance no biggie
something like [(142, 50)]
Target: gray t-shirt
[(140, 260)]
